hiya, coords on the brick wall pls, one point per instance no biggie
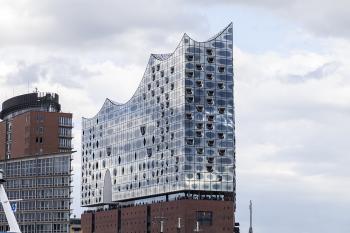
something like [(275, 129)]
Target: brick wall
[(106, 221), (134, 219), (2, 140)]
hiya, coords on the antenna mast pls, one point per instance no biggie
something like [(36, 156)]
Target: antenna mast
[(251, 217)]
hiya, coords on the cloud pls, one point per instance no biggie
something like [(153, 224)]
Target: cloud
[(55, 70), (292, 106), (24, 74), (124, 32), (292, 139), (63, 23), (321, 72)]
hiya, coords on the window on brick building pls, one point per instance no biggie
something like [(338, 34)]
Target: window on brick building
[(205, 218)]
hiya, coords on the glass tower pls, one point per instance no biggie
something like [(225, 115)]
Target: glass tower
[(174, 136)]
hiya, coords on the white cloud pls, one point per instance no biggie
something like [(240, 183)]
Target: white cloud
[(78, 23), (56, 70), (292, 136)]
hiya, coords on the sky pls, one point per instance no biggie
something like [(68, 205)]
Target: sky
[(292, 87)]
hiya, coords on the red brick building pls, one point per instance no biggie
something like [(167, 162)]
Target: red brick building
[(35, 154), (179, 216), (27, 129)]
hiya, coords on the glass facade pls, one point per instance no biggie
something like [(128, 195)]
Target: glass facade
[(175, 134), (43, 186)]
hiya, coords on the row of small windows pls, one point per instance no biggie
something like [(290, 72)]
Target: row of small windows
[(189, 91), (209, 51), (199, 108), (38, 140), (199, 83), (164, 180), (189, 116), (149, 155), (149, 87), (38, 167), (161, 138), (39, 216), (32, 227), (210, 143), (210, 60), (66, 121), (155, 164), (210, 118), (199, 134), (145, 182), (38, 182), (172, 70), (39, 193), (65, 142), (141, 166), (190, 74), (65, 132), (199, 66)]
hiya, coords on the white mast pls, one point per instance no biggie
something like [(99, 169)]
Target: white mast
[(197, 228), (11, 219), (251, 217)]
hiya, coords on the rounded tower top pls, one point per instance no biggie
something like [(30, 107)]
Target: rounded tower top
[(37, 101)]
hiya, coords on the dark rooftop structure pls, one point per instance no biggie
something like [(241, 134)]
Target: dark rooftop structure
[(48, 102)]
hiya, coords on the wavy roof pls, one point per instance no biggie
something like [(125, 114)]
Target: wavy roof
[(161, 57)]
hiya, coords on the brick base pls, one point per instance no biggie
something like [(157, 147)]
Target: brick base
[(214, 216)]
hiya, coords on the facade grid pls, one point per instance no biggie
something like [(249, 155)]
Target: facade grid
[(35, 155), (175, 135), (43, 186)]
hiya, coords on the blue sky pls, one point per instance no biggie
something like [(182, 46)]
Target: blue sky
[(292, 87), (256, 30)]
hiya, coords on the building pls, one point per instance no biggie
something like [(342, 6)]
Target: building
[(172, 144), (75, 225), (178, 217), (35, 153)]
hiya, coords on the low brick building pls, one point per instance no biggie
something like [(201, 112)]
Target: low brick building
[(179, 216)]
